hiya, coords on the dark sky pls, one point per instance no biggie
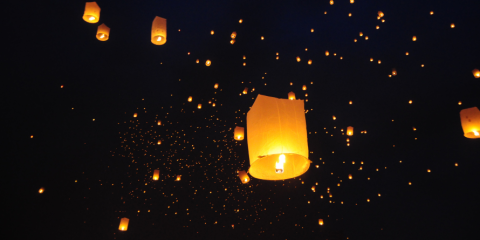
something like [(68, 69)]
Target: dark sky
[(91, 179)]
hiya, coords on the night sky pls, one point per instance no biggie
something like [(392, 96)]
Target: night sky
[(91, 178)]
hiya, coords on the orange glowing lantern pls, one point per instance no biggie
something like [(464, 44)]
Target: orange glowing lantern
[(41, 190), (190, 99), (208, 63), (350, 131), (350, 176), (199, 106), (123, 224), (309, 62), (327, 53), (159, 142), (476, 73), (452, 25), (233, 35), (240, 21), (243, 177), (291, 96), (414, 38), (159, 123), (334, 118), (245, 90), (103, 32), (239, 133), (156, 174), (92, 12), (331, 2), (380, 14), (470, 119), (178, 178), (215, 86), (394, 72), (159, 31), (298, 59), (320, 222), (304, 87), (135, 115)]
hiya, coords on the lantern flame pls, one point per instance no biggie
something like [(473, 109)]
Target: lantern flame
[(279, 165)]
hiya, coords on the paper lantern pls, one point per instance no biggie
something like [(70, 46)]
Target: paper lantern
[(470, 119), (352, 1), (350, 176), (245, 91), (215, 86), (208, 63), (213, 104), (190, 99), (309, 62), (179, 177), (41, 190), (452, 25), (350, 131), (232, 41), (123, 224), (304, 87), (313, 188), (239, 133), (199, 106), (156, 174), (159, 31), (159, 142), (327, 53), (135, 115), (92, 12), (103, 32), (334, 118), (380, 14), (298, 59), (320, 222), (240, 21), (361, 34), (331, 2), (159, 123), (197, 61), (476, 73), (291, 96), (414, 38), (212, 32), (394, 72), (243, 177), (233, 35), (277, 138)]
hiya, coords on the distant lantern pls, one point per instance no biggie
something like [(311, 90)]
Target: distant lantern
[(245, 90), (103, 32), (352, 1), (410, 102), (380, 14), (350, 102), (350, 176), (331, 2), (208, 63), (327, 53), (233, 35), (240, 21), (31, 136), (215, 86), (239, 133), (123, 224), (320, 222), (213, 104), (212, 32), (262, 38), (304, 87), (232, 41), (470, 119), (277, 138), (135, 115), (178, 178), (41, 190), (431, 12), (350, 131), (476, 73), (394, 72), (361, 34), (460, 103), (159, 31), (243, 177), (159, 142), (309, 62), (298, 59), (334, 118), (291, 96), (159, 123), (244, 57), (92, 12), (197, 61), (311, 30), (156, 174), (452, 25), (379, 62), (190, 99), (414, 38), (199, 106)]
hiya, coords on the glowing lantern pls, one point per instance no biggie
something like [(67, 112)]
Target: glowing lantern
[(159, 142), (213, 104), (334, 118), (452, 25), (245, 91), (361, 34), (350, 102), (350, 131), (179, 177), (394, 72), (199, 106), (233, 35), (135, 115), (327, 53), (244, 57), (476, 73), (159, 123), (352, 1), (208, 63), (92, 12), (197, 61), (103, 32), (410, 102), (159, 31), (243, 177), (291, 96), (215, 86), (414, 38), (349, 176), (190, 99), (239, 133), (298, 59), (156, 174), (470, 119), (320, 222), (123, 224), (31, 136), (309, 62), (331, 2), (240, 21), (313, 188), (460, 103), (232, 41), (311, 30), (262, 38), (380, 14), (431, 12), (277, 138), (41, 190), (212, 32), (304, 87)]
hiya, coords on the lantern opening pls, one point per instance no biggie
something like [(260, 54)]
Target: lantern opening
[(91, 18), (279, 164), (476, 133)]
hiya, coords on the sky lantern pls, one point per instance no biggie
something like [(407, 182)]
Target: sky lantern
[(352, 1), (470, 119), (103, 32), (159, 31), (452, 25), (92, 12), (327, 53), (239, 133), (178, 178), (41, 190), (304, 87), (213, 104), (208, 63), (350, 131), (190, 99), (159, 142), (159, 123), (361, 34), (233, 35), (394, 72), (350, 176), (331, 2), (309, 62), (334, 118), (123, 224), (291, 96), (240, 21), (277, 138), (311, 30), (298, 59), (199, 106), (313, 188), (243, 177), (476, 73), (262, 38), (156, 174), (135, 115), (197, 61), (245, 90), (320, 222), (380, 14), (414, 38), (212, 32)]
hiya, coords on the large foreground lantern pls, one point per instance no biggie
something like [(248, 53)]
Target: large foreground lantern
[(103, 32), (470, 118), (92, 12), (277, 138), (159, 31), (156, 174), (243, 176), (123, 224), (239, 133)]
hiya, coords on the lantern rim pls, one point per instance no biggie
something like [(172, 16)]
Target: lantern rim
[(264, 167)]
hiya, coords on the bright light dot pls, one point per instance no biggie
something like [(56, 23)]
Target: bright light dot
[(281, 158), (91, 18), (159, 39), (476, 133)]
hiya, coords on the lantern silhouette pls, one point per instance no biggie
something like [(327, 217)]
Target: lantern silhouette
[(277, 138), (245, 91), (476, 73), (291, 96), (208, 63), (470, 119), (159, 31), (350, 131), (239, 133), (123, 224), (199, 106), (243, 177), (103, 32), (320, 222), (179, 177), (233, 35), (156, 174), (92, 12)]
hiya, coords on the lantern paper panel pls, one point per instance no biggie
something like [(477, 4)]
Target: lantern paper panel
[(123, 224), (239, 133), (159, 31), (103, 32), (470, 119), (277, 138), (156, 174), (92, 12), (243, 176)]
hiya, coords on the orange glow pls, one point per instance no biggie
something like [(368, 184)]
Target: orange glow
[(92, 12), (298, 59), (199, 106), (394, 72), (304, 87), (233, 35), (350, 131), (320, 222), (179, 177), (350, 176), (262, 38), (159, 31), (208, 63), (41, 190), (190, 99), (240, 21), (331, 2), (103, 32), (334, 118), (135, 115), (476, 73), (215, 86), (452, 25), (309, 62), (327, 53), (212, 32), (311, 30), (380, 14), (156, 174), (414, 38), (159, 142), (291, 96)]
